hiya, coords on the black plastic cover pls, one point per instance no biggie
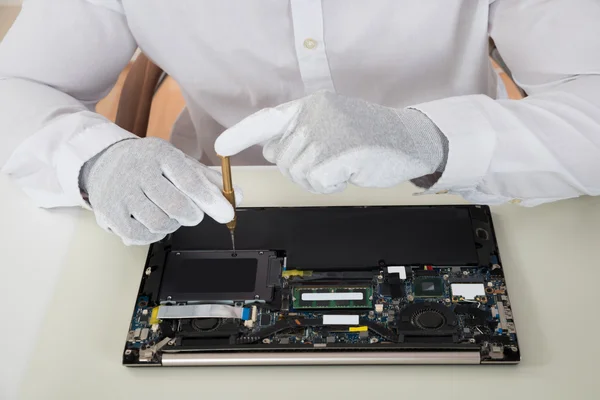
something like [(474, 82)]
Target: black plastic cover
[(191, 276), (330, 238)]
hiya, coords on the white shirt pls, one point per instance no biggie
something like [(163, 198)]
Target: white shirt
[(231, 58)]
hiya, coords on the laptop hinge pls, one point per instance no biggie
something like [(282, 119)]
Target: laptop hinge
[(342, 358)]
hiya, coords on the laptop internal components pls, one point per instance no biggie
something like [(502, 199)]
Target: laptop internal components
[(332, 297), (203, 307), (431, 286), (199, 276)]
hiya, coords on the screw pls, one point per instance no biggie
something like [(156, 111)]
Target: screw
[(266, 341), (447, 300), (471, 340), (256, 296), (169, 297), (380, 277), (410, 297), (373, 340), (514, 348), (127, 352), (171, 342), (446, 277), (465, 272), (148, 271), (177, 254), (261, 253)]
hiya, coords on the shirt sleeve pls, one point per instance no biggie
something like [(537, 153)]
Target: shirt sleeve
[(545, 147), (56, 62)]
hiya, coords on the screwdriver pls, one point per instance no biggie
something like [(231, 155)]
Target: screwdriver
[(229, 195)]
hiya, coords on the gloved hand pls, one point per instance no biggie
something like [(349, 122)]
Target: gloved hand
[(325, 141), (143, 189)]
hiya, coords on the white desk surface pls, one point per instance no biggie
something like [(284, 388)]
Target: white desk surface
[(550, 255)]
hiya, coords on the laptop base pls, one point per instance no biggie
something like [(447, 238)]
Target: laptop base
[(327, 286)]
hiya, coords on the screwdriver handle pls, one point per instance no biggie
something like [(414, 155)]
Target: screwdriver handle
[(231, 197), (228, 189)]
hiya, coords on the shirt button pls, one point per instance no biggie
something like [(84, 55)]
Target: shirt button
[(442, 192), (310, 44), (515, 201)]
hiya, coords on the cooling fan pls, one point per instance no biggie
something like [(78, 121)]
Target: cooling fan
[(426, 319), (205, 324)]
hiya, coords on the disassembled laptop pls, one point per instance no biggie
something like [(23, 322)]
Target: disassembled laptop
[(211, 307)]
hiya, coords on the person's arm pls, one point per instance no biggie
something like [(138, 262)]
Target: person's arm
[(59, 59), (547, 146), (56, 62), (540, 149)]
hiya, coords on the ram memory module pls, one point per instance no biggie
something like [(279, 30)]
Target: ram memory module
[(332, 297)]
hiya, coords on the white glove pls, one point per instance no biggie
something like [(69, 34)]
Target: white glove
[(325, 141), (144, 189)]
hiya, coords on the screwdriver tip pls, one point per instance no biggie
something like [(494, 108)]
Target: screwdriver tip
[(233, 243)]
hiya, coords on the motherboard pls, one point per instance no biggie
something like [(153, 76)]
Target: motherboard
[(215, 301)]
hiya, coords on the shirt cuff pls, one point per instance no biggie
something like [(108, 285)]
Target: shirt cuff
[(79, 149), (471, 139), (471, 124)]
